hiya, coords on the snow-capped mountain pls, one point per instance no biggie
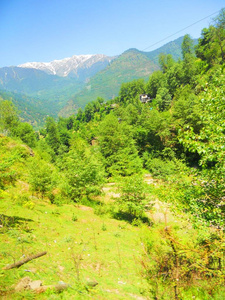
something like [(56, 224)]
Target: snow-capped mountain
[(75, 66)]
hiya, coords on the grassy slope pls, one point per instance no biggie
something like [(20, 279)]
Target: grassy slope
[(83, 246), (99, 248), (102, 250)]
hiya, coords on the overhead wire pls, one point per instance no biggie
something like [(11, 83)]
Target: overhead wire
[(169, 36), (152, 45)]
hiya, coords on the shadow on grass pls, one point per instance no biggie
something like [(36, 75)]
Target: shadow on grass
[(90, 201), (132, 219), (12, 221)]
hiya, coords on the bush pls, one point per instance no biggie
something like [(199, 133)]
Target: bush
[(83, 171), (162, 168), (7, 174), (133, 195), (41, 177), (183, 263)]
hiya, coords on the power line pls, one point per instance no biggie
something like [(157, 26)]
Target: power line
[(169, 36), (160, 41)]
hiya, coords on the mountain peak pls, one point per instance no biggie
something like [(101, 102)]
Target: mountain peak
[(131, 50), (69, 66)]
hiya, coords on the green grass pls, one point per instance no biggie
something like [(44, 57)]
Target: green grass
[(78, 251), (85, 244)]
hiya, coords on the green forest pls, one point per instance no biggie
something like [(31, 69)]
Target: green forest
[(134, 189)]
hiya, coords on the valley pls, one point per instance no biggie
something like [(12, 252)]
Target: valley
[(112, 184), (61, 87)]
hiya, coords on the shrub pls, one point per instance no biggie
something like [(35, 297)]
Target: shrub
[(162, 168), (41, 177), (182, 263), (84, 173), (133, 195)]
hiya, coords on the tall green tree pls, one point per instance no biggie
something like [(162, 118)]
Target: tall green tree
[(52, 137), (118, 147), (129, 91), (83, 170), (156, 81), (8, 116), (166, 62), (209, 144), (41, 176), (187, 46), (211, 46)]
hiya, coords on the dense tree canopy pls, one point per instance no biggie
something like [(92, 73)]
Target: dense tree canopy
[(183, 121)]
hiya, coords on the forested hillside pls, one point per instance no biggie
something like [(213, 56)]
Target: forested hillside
[(30, 110), (130, 65), (134, 190), (62, 90)]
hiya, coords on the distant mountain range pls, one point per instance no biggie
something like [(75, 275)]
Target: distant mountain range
[(78, 66), (62, 86)]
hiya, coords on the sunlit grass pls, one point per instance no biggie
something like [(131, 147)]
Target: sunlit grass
[(79, 249)]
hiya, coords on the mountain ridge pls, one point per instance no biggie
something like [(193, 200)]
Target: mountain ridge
[(75, 85), (69, 66), (130, 65)]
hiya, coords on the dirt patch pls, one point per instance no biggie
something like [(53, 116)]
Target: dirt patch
[(108, 190), (85, 208), (160, 213), (149, 179)]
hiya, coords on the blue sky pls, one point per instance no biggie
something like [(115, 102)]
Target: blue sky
[(44, 30)]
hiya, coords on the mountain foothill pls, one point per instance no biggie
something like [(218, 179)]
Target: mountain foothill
[(61, 87)]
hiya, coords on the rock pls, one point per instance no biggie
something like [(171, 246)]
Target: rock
[(34, 285), (24, 284), (27, 284), (61, 286), (43, 288), (91, 284)]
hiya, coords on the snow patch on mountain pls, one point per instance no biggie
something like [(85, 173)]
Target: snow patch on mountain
[(70, 65)]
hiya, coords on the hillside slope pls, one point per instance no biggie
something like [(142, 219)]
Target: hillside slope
[(31, 110), (130, 65), (97, 76), (82, 245)]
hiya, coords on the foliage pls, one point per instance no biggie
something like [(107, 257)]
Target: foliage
[(209, 142), (12, 158), (82, 170), (118, 147), (177, 136), (181, 264), (7, 175), (41, 177), (30, 110), (130, 90), (8, 115), (52, 137), (156, 81), (26, 133), (161, 168), (10, 124), (211, 47), (133, 197), (187, 46)]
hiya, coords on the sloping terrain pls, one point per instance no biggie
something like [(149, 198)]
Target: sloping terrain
[(84, 252), (80, 66), (130, 65), (68, 84), (31, 110)]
